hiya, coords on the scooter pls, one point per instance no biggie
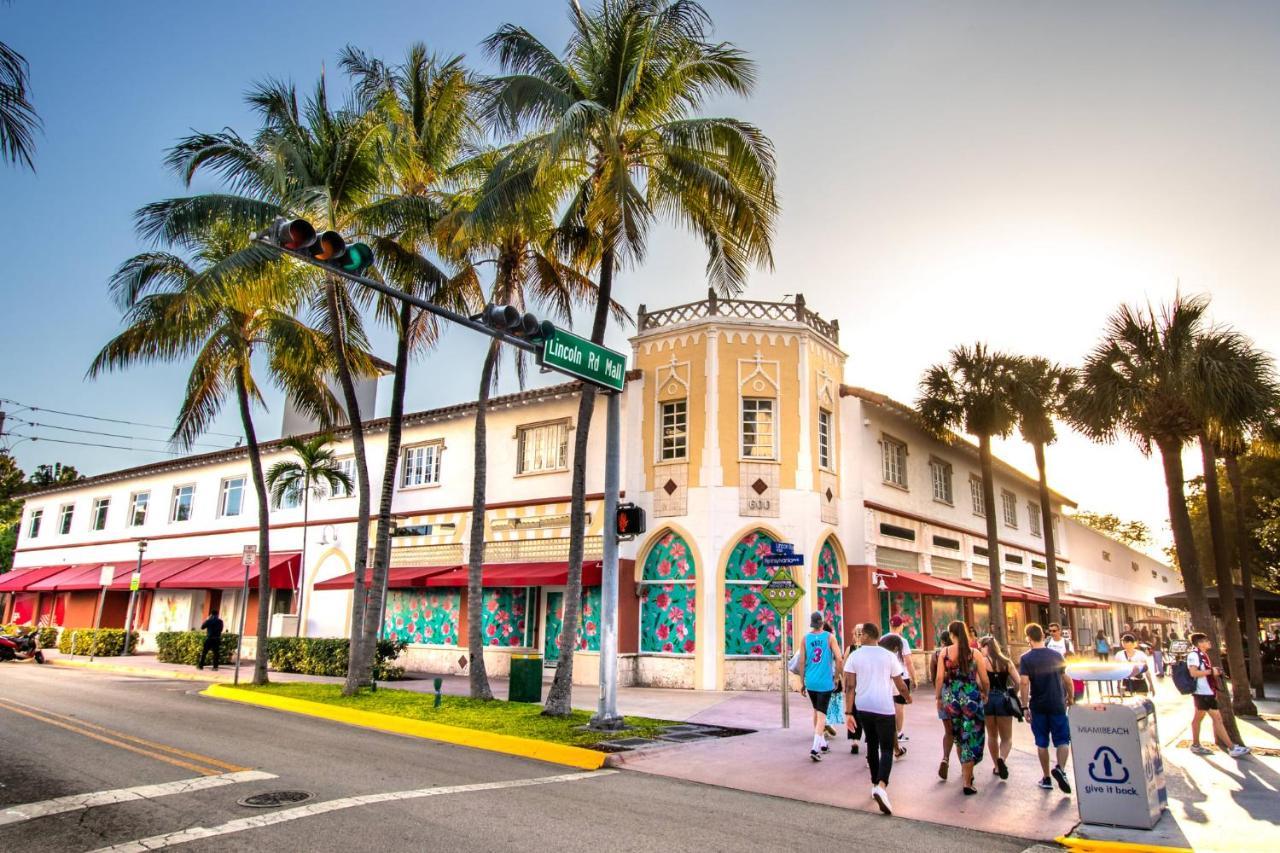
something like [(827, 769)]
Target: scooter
[(20, 647)]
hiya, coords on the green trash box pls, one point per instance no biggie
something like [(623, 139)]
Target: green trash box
[(526, 679)]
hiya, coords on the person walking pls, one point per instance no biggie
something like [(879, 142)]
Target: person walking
[(961, 693), (1044, 680), (903, 651), (1206, 699), (835, 707), (1057, 641), (1139, 680), (871, 674), (948, 742), (853, 730), (893, 644), (212, 628), (1101, 647), (999, 709), (818, 666)]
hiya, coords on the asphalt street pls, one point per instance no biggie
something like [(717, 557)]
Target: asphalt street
[(93, 760)]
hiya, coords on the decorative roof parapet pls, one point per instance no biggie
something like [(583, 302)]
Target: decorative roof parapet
[(745, 309)]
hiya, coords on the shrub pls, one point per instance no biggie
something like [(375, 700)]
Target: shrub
[(106, 642), (329, 656), (184, 647), (48, 634)]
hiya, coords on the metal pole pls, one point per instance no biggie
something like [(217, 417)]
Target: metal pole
[(128, 617), (97, 616), (786, 687), (607, 714), (244, 607)]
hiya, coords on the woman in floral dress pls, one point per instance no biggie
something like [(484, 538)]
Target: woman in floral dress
[(961, 690)]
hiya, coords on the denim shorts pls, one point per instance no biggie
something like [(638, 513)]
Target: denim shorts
[(1045, 725)]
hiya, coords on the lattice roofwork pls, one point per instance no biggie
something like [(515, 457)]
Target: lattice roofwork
[(737, 309)]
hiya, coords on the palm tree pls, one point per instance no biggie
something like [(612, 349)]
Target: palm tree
[(1042, 392), (1145, 380), (174, 312), (613, 139), (314, 471), (18, 119), (975, 392)]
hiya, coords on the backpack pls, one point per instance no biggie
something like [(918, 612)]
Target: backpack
[(1183, 679)]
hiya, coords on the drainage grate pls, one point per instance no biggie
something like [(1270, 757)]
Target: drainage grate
[(271, 799)]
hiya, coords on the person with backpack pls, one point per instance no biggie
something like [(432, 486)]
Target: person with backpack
[(1200, 668), (818, 666)]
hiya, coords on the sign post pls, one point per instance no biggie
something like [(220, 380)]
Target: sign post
[(135, 583), (782, 593), (106, 575), (250, 554)]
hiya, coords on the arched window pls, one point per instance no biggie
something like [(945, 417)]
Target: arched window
[(668, 597), (830, 599), (751, 626)]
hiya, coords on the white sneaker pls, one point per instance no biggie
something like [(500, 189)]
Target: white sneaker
[(881, 796), (1238, 751)]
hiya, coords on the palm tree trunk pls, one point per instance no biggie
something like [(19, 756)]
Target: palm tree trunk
[(559, 698), (1050, 546), (382, 538), (1242, 701), (302, 570), (999, 625), (357, 669), (264, 531), (1184, 545), (1244, 554), (479, 676)]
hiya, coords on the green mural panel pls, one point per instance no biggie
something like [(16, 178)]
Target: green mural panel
[(504, 617), (907, 605), (423, 617)]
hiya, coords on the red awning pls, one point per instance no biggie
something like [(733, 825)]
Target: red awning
[(83, 576), (520, 574), (228, 573), (153, 571), (20, 579), (926, 584), (401, 577), (1077, 601)]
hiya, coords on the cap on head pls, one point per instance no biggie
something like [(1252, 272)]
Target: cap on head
[(897, 621), (816, 619)]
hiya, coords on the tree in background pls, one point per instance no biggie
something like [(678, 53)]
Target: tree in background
[(1135, 534), (54, 475), (12, 484)]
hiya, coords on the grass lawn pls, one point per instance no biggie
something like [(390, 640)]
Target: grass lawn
[(509, 718)]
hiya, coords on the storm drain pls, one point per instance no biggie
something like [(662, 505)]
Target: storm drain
[(271, 799)]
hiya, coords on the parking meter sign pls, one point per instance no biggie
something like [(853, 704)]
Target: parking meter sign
[(250, 555), (782, 593), (135, 581)]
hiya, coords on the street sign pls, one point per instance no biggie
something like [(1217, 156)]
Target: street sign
[(782, 548), (772, 560), (568, 353), (250, 555), (135, 581), (782, 592), (106, 575)]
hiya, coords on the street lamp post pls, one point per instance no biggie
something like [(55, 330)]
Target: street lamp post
[(133, 596)]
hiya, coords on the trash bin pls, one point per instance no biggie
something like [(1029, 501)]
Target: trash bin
[(1115, 756), (526, 679)]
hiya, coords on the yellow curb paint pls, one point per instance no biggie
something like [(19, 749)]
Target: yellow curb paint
[(134, 670), (1093, 845), (555, 753)]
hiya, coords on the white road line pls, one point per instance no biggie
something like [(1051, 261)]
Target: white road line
[(195, 833), (75, 802)]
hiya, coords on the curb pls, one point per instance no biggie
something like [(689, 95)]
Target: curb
[(554, 753), (1093, 845), (135, 670)]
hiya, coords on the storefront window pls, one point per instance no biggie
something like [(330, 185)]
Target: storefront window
[(751, 627), (668, 598), (423, 617), (945, 611), (830, 600), (588, 623), (504, 616), (982, 617), (906, 605)]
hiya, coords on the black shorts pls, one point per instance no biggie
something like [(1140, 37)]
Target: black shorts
[(1205, 703), (821, 699), (899, 699)]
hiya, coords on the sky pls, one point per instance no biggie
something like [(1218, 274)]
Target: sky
[(949, 172)]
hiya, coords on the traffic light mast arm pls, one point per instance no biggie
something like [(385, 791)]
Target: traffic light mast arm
[(388, 290)]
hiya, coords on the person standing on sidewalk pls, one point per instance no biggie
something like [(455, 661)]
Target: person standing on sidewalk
[(1139, 680), (212, 628), (1206, 699), (893, 643), (961, 690), (818, 667), (1044, 677), (1057, 642), (897, 624), (948, 742), (871, 674), (999, 710)]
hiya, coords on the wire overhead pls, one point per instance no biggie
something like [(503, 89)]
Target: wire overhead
[(26, 407)]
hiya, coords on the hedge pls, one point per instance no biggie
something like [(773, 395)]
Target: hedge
[(48, 634), (329, 656), (184, 647), (107, 642)]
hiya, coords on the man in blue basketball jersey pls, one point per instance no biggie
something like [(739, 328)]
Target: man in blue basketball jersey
[(819, 662)]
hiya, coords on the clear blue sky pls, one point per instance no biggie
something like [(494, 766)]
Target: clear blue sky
[(949, 171)]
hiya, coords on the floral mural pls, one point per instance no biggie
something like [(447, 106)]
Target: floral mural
[(504, 616), (668, 598), (830, 600), (589, 626), (945, 611), (421, 616), (906, 605), (751, 627)]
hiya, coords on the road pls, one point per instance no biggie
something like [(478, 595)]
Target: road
[(67, 736)]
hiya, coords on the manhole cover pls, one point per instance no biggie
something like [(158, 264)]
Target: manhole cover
[(271, 799)]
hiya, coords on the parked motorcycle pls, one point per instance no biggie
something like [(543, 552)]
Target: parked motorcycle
[(21, 646)]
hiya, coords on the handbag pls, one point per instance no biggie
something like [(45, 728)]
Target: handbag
[(794, 666)]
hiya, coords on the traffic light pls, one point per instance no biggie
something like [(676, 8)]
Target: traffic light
[(328, 247), (631, 520), (507, 318)]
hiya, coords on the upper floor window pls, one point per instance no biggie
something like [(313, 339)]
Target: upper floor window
[(420, 466), (98, 521), (940, 474), (231, 500), (977, 496), (33, 524), (675, 430), (758, 433), (64, 520), (542, 447), (347, 466), (138, 502), (183, 498), (824, 439), (893, 455), (1009, 504), (1033, 518)]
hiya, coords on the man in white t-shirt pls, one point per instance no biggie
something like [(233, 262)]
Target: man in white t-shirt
[(873, 673), (1057, 641), (1139, 680), (1205, 698)]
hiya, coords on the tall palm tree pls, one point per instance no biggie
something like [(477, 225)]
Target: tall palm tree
[(174, 312), (1042, 392), (18, 119), (1145, 380), (313, 473), (612, 135), (975, 392)]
